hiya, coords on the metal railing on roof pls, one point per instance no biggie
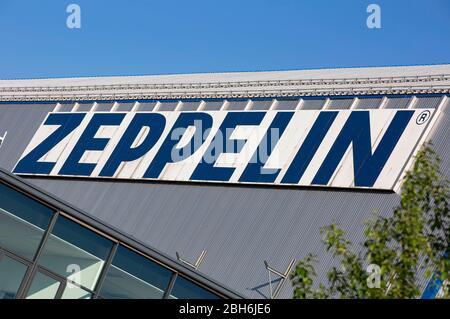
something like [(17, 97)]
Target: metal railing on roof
[(230, 84)]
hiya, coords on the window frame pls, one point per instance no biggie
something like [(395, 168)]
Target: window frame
[(167, 289), (4, 252), (50, 234), (62, 209), (50, 274)]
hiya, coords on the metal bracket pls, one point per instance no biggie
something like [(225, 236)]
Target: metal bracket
[(196, 264), (274, 293), (2, 138), (444, 287)]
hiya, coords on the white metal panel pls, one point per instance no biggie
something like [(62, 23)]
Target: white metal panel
[(71, 142), (254, 136), (112, 143), (138, 167), (293, 137), (324, 148), (405, 149), (181, 171), (378, 126)]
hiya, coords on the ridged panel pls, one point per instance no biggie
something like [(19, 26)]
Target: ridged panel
[(104, 107), (262, 105), (213, 105), (286, 105), (190, 106), (167, 106), (368, 103), (124, 106), (84, 107), (21, 122), (312, 104), (397, 102), (66, 107), (340, 104), (237, 105), (428, 102)]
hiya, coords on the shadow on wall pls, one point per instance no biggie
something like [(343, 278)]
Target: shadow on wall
[(264, 289)]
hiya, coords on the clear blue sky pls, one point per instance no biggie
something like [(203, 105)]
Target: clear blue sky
[(137, 37)]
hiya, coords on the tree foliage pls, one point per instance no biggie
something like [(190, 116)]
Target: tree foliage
[(406, 246)]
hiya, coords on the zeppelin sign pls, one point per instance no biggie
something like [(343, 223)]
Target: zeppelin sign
[(342, 148)]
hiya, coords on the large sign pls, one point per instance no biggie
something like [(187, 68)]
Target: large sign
[(335, 148)]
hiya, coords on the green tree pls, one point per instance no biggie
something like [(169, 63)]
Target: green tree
[(405, 246)]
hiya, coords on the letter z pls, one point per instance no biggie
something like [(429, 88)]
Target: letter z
[(30, 164)]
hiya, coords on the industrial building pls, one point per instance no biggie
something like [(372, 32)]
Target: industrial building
[(201, 185)]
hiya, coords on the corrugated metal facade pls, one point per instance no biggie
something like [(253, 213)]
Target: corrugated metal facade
[(239, 226)]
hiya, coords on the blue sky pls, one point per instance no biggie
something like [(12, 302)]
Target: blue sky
[(137, 37)]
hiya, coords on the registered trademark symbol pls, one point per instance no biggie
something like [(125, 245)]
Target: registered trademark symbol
[(423, 117)]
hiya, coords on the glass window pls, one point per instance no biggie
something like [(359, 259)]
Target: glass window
[(43, 287), (186, 289), (134, 276), (75, 252), (74, 292), (11, 276), (23, 222)]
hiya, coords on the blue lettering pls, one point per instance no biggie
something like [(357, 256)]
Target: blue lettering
[(309, 147), (201, 121), (88, 142), (207, 171), (367, 165), (124, 152), (30, 163), (255, 171)]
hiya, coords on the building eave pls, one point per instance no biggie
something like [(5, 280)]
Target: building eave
[(327, 82)]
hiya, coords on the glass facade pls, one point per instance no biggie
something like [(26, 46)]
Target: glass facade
[(47, 254), (12, 273), (75, 252), (186, 289), (43, 287), (133, 276), (73, 291), (20, 214)]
